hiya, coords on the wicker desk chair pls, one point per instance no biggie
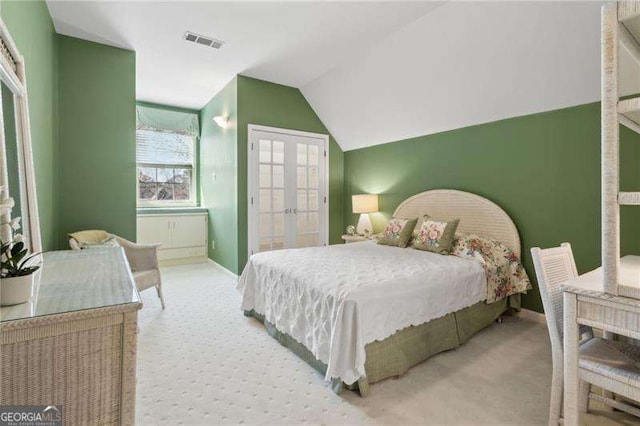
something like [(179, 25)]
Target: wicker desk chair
[(143, 259), (612, 366)]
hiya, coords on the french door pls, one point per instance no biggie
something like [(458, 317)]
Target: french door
[(287, 188)]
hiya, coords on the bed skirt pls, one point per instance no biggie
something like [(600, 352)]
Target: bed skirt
[(394, 355)]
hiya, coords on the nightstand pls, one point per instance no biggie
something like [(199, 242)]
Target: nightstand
[(353, 238)]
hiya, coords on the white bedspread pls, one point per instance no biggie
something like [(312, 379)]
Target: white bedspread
[(336, 299)]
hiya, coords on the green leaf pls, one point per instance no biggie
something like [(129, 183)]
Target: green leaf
[(18, 247), (19, 256), (25, 261), (27, 271)]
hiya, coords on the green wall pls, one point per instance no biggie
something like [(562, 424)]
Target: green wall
[(97, 124), (219, 175), (32, 30), (542, 169), (224, 152), (275, 105)]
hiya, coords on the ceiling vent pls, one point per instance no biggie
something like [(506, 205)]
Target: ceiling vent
[(203, 40)]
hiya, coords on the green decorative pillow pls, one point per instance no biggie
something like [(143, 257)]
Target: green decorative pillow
[(397, 232), (436, 235)]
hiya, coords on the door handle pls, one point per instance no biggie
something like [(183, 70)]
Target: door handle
[(295, 211), (287, 211)]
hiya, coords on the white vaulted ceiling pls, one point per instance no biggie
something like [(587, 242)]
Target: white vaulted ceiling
[(288, 43), (374, 72)]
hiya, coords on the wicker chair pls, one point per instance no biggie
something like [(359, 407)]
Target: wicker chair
[(143, 260), (610, 365)]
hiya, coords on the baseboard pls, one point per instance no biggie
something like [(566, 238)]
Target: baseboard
[(532, 315), (222, 268), (182, 261)]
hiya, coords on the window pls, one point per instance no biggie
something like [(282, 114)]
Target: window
[(166, 168)]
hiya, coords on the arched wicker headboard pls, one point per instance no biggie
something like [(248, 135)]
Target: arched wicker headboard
[(477, 214)]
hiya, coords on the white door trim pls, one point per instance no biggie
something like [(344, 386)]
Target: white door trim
[(251, 226)]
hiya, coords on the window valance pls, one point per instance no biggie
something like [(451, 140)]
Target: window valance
[(156, 119)]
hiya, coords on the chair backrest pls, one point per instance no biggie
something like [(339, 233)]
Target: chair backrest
[(554, 266)]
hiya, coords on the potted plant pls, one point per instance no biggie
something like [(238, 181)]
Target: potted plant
[(16, 268)]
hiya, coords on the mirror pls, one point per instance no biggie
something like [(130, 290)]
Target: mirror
[(17, 177)]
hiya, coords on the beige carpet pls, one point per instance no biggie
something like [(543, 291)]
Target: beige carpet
[(200, 361)]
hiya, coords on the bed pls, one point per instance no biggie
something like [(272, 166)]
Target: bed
[(360, 313)]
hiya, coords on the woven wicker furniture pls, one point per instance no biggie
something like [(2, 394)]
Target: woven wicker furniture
[(613, 366), (598, 298), (620, 28), (143, 259), (597, 357), (75, 344)]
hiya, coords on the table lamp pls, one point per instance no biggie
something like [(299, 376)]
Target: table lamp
[(364, 204)]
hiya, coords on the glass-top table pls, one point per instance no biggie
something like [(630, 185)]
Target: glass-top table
[(74, 280)]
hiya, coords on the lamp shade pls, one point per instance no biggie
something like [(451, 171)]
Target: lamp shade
[(365, 203)]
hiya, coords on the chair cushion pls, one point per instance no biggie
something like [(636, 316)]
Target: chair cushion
[(617, 360), (110, 241), (89, 237), (146, 279)]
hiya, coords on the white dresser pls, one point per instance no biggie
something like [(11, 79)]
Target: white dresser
[(183, 236)]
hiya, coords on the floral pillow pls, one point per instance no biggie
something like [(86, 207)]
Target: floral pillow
[(436, 235), (398, 232)]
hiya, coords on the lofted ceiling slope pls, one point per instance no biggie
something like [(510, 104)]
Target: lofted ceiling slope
[(460, 65)]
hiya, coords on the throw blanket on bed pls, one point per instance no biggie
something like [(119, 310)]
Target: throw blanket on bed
[(336, 299), (505, 274)]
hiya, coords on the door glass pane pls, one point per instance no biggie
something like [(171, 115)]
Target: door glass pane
[(278, 200), (302, 177), (278, 176), (278, 152), (265, 244), (302, 154), (302, 223), (302, 241), (313, 200), (313, 222), (312, 240), (302, 200), (265, 200), (278, 224), (313, 155), (265, 176), (313, 177), (278, 243), (265, 224), (265, 151)]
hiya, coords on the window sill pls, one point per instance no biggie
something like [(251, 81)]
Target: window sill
[(170, 210)]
